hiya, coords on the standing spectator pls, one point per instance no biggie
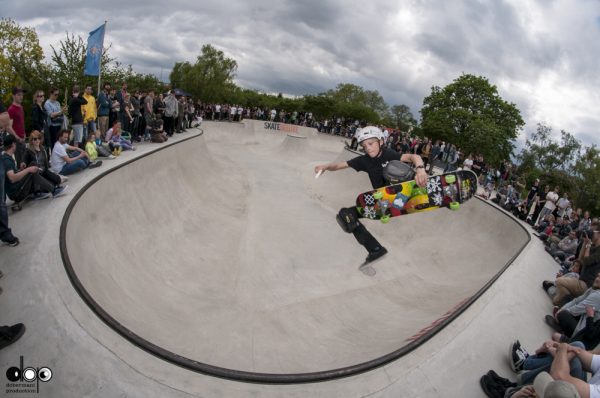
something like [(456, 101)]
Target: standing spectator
[(90, 112), (39, 117), (562, 205), (180, 114), (128, 112), (56, 115), (170, 114), (17, 115), (115, 108), (149, 114), (5, 233), (120, 96), (468, 163), (135, 114), (104, 106), (75, 104), (549, 206), (435, 152)]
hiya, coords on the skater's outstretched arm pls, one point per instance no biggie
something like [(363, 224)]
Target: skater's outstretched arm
[(331, 167)]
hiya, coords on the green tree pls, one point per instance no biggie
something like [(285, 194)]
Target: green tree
[(470, 114), (21, 58), (210, 78), (351, 93), (585, 189), (402, 118)]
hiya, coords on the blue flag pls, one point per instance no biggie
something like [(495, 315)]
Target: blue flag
[(94, 52)]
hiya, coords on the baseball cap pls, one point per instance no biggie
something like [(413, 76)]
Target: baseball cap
[(546, 387)]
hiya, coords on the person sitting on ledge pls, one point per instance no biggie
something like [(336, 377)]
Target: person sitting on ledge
[(65, 163), (20, 184)]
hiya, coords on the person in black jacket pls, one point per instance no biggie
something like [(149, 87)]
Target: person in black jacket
[(40, 117), (75, 104)]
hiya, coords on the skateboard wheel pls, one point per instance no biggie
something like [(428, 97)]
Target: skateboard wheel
[(378, 195), (450, 179), (385, 219), (454, 205)]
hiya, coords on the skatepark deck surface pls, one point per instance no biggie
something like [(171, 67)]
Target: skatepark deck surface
[(221, 253)]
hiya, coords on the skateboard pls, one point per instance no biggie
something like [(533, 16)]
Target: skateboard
[(445, 190), (18, 206)]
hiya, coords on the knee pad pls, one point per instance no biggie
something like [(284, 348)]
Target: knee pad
[(347, 219)]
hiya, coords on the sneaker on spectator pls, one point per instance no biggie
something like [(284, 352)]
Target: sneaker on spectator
[(111, 156), (501, 380), (12, 242), (63, 179), (517, 355), (491, 388), (547, 285), (59, 191), (95, 164), (10, 334), (41, 195)]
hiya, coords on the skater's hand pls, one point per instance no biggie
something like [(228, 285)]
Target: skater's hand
[(320, 168), (421, 178)]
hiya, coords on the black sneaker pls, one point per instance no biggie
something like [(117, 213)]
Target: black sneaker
[(491, 388), (500, 380), (10, 334), (95, 164), (374, 255), (547, 285), (14, 241), (517, 355)]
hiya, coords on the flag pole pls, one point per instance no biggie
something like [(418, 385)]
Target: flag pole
[(100, 63)]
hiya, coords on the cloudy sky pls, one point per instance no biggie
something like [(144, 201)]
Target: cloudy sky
[(542, 55)]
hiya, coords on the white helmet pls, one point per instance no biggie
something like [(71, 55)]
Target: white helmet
[(368, 132)]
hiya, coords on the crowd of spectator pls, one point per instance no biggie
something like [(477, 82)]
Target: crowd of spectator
[(568, 359)]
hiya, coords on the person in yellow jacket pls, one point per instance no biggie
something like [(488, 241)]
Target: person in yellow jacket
[(90, 113)]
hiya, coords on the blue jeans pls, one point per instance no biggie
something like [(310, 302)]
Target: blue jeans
[(536, 364), (77, 133), (75, 166)]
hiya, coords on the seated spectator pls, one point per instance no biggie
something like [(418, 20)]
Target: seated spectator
[(565, 248), (94, 150), (156, 131), (589, 260), (21, 184), (571, 317), (67, 159), (528, 367), (37, 155), (116, 141), (561, 369)]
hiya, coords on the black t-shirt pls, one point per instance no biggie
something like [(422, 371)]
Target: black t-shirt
[(374, 166), (532, 192), (75, 104)]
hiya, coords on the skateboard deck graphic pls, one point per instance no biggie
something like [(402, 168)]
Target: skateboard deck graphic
[(444, 190)]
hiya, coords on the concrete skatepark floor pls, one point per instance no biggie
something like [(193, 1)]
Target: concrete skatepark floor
[(225, 251)]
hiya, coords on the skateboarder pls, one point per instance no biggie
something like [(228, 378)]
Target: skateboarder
[(374, 160)]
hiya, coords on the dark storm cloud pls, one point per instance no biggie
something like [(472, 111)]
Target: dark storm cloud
[(541, 55)]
